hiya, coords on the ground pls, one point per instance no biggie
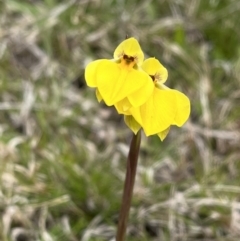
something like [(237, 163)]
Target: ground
[(63, 155)]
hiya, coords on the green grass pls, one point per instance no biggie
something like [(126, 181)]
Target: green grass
[(63, 155)]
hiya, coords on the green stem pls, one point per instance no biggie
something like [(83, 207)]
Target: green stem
[(128, 186)]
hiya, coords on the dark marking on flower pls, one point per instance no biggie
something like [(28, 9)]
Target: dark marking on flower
[(128, 58), (153, 77)]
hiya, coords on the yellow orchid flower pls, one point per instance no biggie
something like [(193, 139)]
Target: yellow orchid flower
[(121, 78), (164, 108)]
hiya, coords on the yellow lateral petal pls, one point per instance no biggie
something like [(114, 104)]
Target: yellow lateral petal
[(154, 68), (98, 95), (90, 73), (131, 48), (162, 135), (123, 106), (183, 108), (115, 83), (132, 123), (158, 112), (183, 105), (139, 97), (136, 113)]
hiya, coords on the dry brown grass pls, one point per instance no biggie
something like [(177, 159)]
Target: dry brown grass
[(62, 155)]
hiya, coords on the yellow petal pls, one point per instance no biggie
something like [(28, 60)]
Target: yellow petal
[(90, 73), (162, 86), (158, 112), (132, 123), (183, 108), (123, 106), (129, 47), (98, 95), (154, 68), (136, 113), (139, 97), (115, 83), (162, 135)]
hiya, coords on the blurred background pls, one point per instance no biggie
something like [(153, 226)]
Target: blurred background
[(63, 155)]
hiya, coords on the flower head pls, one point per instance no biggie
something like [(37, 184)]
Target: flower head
[(165, 107), (137, 90), (121, 77)]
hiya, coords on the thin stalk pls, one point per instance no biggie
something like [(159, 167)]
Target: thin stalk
[(128, 186)]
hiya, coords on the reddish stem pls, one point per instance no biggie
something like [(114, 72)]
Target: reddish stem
[(128, 186)]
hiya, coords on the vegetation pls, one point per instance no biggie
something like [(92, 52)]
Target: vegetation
[(63, 155)]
